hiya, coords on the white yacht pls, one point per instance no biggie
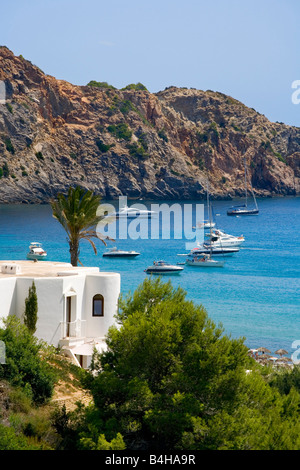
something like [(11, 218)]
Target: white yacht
[(161, 267), (222, 239), (115, 253), (36, 252)]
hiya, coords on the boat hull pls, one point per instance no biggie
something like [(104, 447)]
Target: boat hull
[(120, 255), (216, 251), (163, 271), (37, 257), (243, 212), (205, 264)]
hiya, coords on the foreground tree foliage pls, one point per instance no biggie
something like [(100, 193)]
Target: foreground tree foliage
[(172, 380), (23, 365), (169, 380)]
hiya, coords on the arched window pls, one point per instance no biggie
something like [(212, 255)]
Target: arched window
[(98, 305)]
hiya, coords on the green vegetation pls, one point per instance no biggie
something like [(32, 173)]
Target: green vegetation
[(77, 213), (139, 149), (39, 156), (96, 84), (102, 147), (126, 106), (24, 368), (135, 86), (9, 107), (8, 145), (31, 309), (4, 171), (121, 131), (170, 380), (267, 146)]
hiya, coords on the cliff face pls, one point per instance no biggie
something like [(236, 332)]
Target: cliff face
[(131, 142)]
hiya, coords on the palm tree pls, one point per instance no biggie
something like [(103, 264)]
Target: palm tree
[(77, 213)]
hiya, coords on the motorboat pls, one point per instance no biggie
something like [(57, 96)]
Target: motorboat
[(115, 253), (222, 239), (204, 261), (161, 267), (132, 213), (36, 252), (243, 209)]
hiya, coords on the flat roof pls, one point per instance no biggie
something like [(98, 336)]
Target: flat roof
[(36, 269)]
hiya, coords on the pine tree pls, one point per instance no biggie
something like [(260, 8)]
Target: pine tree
[(31, 309)]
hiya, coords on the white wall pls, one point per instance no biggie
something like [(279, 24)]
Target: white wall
[(108, 285), (50, 306), (7, 297), (52, 293)]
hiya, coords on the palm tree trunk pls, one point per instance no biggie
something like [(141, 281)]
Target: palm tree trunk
[(74, 252)]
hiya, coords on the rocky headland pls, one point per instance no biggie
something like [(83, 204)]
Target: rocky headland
[(132, 142)]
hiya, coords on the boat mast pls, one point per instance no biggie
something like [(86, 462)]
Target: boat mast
[(252, 192), (207, 196), (245, 169)]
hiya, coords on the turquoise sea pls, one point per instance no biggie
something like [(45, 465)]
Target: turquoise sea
[(255, 295)]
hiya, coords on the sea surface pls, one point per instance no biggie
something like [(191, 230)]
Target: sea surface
[(254, 296)]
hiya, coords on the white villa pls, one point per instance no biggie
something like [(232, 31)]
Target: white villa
[(76, 305)]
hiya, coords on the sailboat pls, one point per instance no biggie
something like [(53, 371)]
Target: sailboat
[(205, 260), (243, 209), (206, 223)]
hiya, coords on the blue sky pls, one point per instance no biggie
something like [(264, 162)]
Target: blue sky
[(248, 49)]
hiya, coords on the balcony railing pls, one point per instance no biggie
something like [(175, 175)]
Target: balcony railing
[(73, 329)]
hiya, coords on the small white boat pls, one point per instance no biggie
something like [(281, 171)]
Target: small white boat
[(205, 224), (36, 252), (115, 253), (204, 261), (161, 267)]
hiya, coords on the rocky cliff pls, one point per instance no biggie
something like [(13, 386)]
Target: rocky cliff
[(131, 142)]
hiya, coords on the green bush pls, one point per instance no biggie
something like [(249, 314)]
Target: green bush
[(121, 131), (9, 107), (96, 84), (5, 170), (137, 151), (135, 86), (39, 156), (8, 145), (24, 366), (101, 146)]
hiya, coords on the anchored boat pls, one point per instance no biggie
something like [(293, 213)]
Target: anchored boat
[(36, 252), (204, 261), (161, 267), (115, 253), (243, 209)]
